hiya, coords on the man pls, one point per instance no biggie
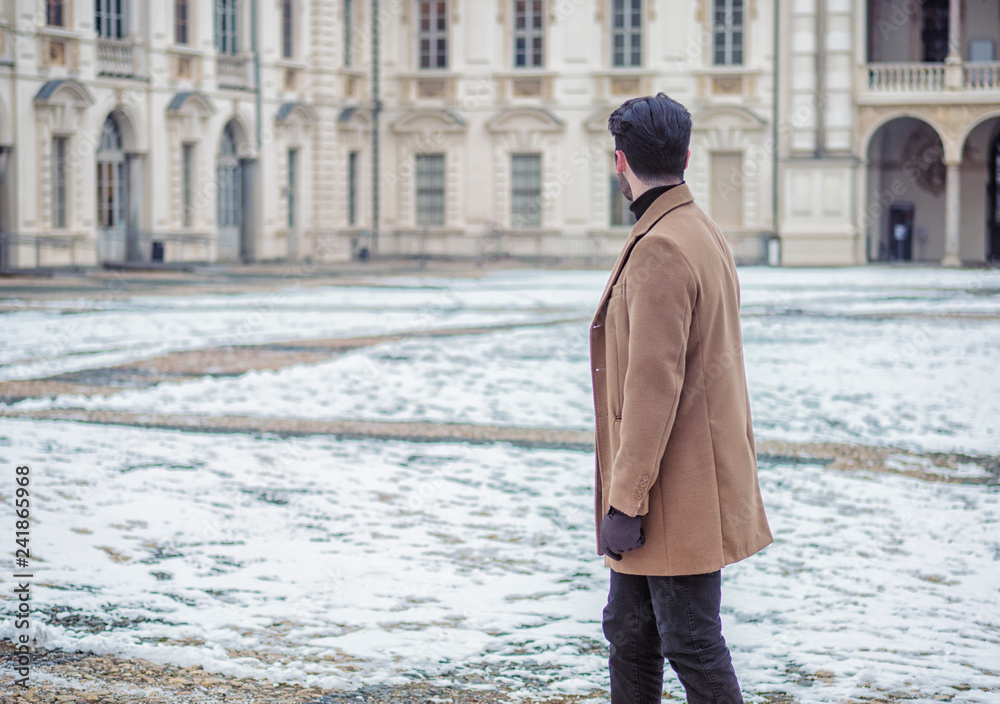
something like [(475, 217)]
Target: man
[(677, 496)]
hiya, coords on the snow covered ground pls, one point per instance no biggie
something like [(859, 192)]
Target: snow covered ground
[(342, 563), (872, 356)]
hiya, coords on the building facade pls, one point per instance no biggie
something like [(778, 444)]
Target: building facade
[(889, 119), (239, 130), (188, 130)]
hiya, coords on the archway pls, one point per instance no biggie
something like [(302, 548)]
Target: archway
[(980, 194), (112, 194), (229, 197), (907, 179)]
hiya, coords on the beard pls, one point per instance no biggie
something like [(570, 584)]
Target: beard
[(623, 185)]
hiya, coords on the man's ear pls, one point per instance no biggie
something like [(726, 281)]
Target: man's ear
[(687, 162), (621, 163)]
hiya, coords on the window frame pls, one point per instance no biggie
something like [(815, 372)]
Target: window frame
[(435, 36), (288, 29), (111, 188), (60, 182), (347, 16), (188, 176), (352, 188), (629, 32), (227, 37), (182, 21), (525, 200), (430, 216), (111, 19), (726, 31), (291, 187), (228, 182), (532, 53), (55, 10)]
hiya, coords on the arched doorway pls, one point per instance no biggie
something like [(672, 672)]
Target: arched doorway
[(112, 194), (907, 179), (229, 199), (980, 193)]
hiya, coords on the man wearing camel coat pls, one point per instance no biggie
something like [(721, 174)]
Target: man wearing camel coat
[(677, 496)]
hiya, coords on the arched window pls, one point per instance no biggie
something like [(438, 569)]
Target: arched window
[(110, 178), (229, 199)]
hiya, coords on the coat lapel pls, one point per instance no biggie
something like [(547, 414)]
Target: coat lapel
[(661, 206)]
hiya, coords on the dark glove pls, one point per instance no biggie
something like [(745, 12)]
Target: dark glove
[(621, 533)]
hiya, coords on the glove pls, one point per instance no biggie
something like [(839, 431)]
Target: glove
[(621, 533)]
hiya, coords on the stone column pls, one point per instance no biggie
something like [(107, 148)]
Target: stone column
[(955, 30), (953, 64), (952, 215)]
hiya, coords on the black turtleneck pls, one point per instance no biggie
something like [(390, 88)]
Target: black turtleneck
[(641, 204)]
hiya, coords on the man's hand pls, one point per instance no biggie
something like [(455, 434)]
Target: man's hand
[(621, 533)]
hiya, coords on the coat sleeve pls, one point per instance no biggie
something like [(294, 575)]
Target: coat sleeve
[(659, 295)]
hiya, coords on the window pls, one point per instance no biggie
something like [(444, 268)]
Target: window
[(618, 205), (528, 33), (526, 190), (109, 18), (293, 158), (181, 21), (728, 33), (626, 33), (430, 189), (229, 180), (226, 26), (187, 183), (59, 182), (934, 34), (352, 188), (433, 34), (287, 29), (727, 188), (110, 178), (348, 33), (54, 13)]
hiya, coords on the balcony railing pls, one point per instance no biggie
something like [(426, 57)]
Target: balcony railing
[(933, 77), (981, 76), (906, 78), (119, 57), (233, 71)]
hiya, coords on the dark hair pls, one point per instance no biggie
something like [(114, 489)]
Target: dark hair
[(654, 132)]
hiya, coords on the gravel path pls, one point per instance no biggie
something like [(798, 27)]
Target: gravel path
[(76, 678)]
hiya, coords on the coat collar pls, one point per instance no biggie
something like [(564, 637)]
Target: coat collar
[(673, 198)]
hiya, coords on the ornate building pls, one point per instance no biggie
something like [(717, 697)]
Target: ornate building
[(890, 150), (188, 130), (225, 130)]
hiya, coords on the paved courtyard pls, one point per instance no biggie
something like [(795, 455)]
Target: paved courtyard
[(375, 486)]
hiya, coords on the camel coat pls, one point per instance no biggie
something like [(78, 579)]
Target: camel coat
[(674, 439)]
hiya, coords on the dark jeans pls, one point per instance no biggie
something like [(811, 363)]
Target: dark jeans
[(649, 619)]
